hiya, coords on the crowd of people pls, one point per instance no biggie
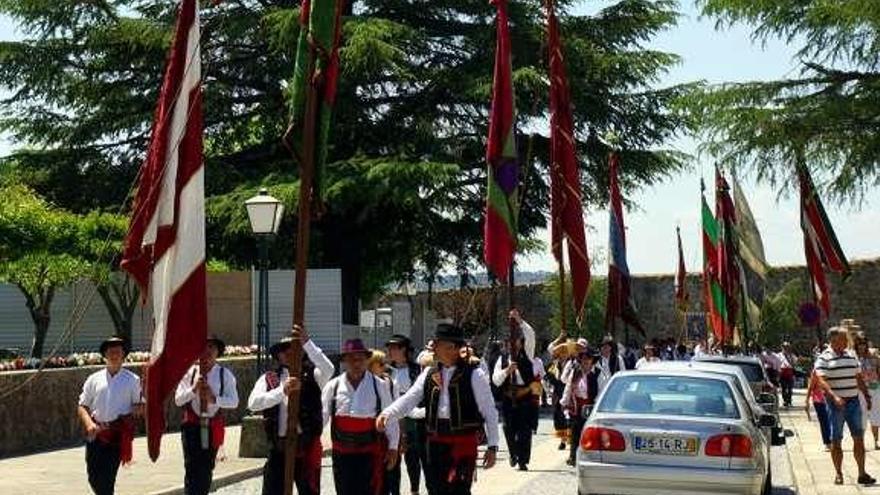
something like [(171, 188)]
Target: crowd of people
[(430, 408)]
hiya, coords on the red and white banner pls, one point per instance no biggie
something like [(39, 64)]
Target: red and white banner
[(165, 245)]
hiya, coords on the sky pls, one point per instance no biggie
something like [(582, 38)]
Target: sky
[(713, 56)]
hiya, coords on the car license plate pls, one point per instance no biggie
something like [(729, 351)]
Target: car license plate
[(665, 444)]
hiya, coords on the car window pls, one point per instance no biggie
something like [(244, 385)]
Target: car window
[(753, 371), (670, 395)]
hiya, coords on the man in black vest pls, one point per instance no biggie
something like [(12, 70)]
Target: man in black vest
[(514, 374), (404, 372), (270, 396), (458, 402)]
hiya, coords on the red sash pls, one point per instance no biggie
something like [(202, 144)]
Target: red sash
[(359, 436), (119, 432), (463, 451), (217, 425)]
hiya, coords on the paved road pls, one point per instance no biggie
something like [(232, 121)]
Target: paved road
[(548, 474)]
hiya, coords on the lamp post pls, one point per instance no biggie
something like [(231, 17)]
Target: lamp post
[(264, 213)]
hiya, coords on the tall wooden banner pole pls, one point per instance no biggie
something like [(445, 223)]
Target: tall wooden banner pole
[(563, 324), (306, 178)]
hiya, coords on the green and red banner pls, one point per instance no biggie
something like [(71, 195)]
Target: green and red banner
[(500, 227), (713, 295), (728, 257)]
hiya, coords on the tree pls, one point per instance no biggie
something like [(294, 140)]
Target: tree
[(406, 173), (592, 326), (827, 114), (34, 244), (779, 313)]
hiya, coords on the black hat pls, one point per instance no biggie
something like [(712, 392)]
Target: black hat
[(114, 341), (280, 346), (588, 352), (398, 339), (449, 333), (218, 342), (609, 340)]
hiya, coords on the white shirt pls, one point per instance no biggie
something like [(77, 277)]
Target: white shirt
[(186, 394), (528, 334), (499, 375), (360, 401), (783, 361), (482, 394), (538, 368), (644, 360), (605, 370), (262, 398), (575, 388), (107, 397), (402, 383), (772, 359)]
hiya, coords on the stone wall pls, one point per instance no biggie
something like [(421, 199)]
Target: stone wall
[(41, 415), (858, 298)]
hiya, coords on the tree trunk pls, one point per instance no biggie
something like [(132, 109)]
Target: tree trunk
[(41, 328), (120, 298)]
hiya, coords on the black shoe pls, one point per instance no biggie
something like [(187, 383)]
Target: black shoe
[(512, 461), (865, 479), (570, 462), (523, 467), (561, 445)]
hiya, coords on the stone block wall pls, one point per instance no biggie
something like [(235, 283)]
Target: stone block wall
[(41, 415)]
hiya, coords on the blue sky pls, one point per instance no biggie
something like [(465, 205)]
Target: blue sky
[(714, 56)]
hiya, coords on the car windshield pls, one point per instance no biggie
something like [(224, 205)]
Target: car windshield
[(670, 396), (753, 371)]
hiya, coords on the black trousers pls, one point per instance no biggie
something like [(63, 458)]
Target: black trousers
[(198, 463), (415, 456), (437, 472), (102, 464), (787, 385), (352, 474), (273, 475), (577, 426), (518, 428)]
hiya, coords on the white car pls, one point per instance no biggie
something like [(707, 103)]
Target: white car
[(683, 432)]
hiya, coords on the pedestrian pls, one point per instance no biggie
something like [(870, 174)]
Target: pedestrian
[(771, 364), (269, 397), (458, 403), (514, 374), (110, 401), (840, 377), (579, 396), (204, 390), (404, 372), (817, 397), (351, 403), (609, 361), (557, 386), (650, 356), (786, 360), (870, 366)]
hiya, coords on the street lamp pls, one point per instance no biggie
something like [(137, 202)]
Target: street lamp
[(264, 213)]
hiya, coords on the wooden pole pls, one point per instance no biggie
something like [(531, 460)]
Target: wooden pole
[(307, 170)]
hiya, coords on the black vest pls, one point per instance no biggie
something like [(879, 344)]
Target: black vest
[(464, 414), (525, 367), (311, 415)]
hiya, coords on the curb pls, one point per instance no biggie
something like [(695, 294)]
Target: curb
[(226, 479)]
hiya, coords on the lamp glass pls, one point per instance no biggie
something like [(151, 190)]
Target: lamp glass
[(264, 213)]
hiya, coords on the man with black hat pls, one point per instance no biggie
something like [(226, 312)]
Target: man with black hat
[(270, 396), (109, 402), (351, 402), (609, 361), (404, 372), (515, 375), (204, 390), (458, 402), (579, 394)]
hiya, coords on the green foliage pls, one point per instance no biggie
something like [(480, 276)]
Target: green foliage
[(828, 111), (592, 326), (779, 314), (406, 175)]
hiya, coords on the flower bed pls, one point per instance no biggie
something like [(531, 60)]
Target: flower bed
[(93, 358)]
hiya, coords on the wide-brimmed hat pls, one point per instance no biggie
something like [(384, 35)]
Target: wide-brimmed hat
[(354, 346), (608, 340), (218, 342), (114, 341), (587, 352), (449, 333), (280, 346), (398, 339)]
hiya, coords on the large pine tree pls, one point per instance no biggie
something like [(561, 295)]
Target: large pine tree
[(406, 178)]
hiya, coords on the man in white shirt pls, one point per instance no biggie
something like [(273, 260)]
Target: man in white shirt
[(404, 372), (515, 375), (353, 401), (609, 362), (269, 396), (458, 402), (109, 401), (787, 361), (205, 389)]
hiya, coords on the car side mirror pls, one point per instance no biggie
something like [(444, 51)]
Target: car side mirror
[(766, 398), (767, 421)]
